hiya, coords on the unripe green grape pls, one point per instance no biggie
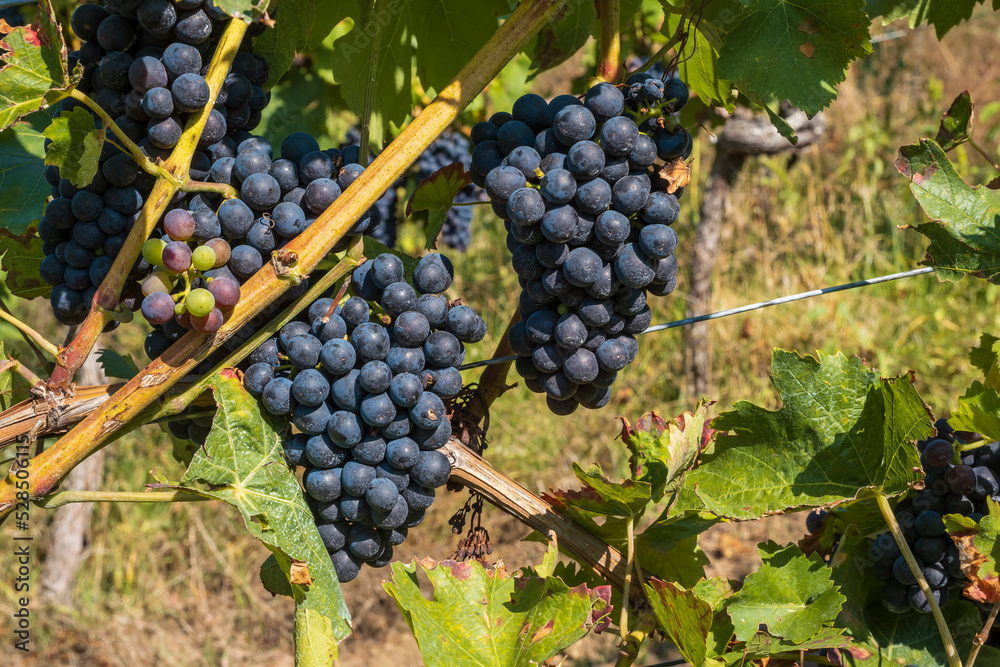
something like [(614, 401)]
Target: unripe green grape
[(158, 281), (152, 251), (200, 302), (203, 258)]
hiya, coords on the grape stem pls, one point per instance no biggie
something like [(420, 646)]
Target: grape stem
[(678, 35), (22, 370), (60, 498), (30, 333), (176, 172), (949, 642), (629, 563), (224, 189), (46, 364), (982, 152), (129, 146), (609, 66), (354, 257), (307, 249), (983, 635)]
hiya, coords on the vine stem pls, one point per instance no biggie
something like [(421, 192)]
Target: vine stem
[(147, 165), (609, 66), (176, 173), (346, 265), (30, 333), (493, 381), (292, 262), (983, 635), (949, 642), (22, 370), (60, 498), (623, 623)]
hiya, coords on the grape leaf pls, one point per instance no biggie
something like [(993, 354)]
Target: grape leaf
[(662, 452), (241, 8), (791, 594), (300, 25), (986, 357), (627, 498), (314, 644), (33, 63), (117, 365), (22, 174), (436, 193), (942, 14), (840, 430), (956, 123), (243, 464), (978, 411), (568, 31), (685, 618), (449, 33), (963, 227), (763, 644), (20, 257), (699, 67), (76, 146), (882, 638), (979, 550), (483, 617), (797, 50)]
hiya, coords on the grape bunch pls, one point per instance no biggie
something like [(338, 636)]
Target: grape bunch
[(279, 199), (958, 480), (143, 62), (590, 235), (367, 397)]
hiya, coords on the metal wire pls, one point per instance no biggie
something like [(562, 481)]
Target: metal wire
[(744, 309)]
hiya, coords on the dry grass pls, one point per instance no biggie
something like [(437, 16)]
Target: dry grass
[(179, 585)]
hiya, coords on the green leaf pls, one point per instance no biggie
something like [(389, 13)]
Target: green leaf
[(351, 57), (315, 640), (300, 25), (797, 50), (76, 146), (978, 411), (840, 430), (963, 228), (942, 14), (623, 499), (956, 123), (565, 35), (22, 174), (763, 644), (117, 365), (436, 193), (33, 64), (986, 358), (481, 617), (20, 257), (239, 8), (449, 33), (685, 618), (699, 67), (243, 464), (662, 452), (792, 595)]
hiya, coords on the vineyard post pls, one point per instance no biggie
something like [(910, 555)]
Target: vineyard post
[(296, 259)]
